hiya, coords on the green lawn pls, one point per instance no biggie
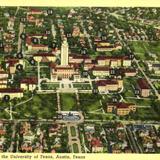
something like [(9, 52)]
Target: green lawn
[(5, 105), (142, 47), (45, 73), (138, 46), (147, 114), (73, 131), (34, 30), (46, 64), (31, 71), (128, 87), (141, 102), (94, 116), (41, 106), (4, 115), (75, 148), (90, 102), (49, 86), (95, 105), (68, 101), (157, 85), (155, 47), (82, 86)]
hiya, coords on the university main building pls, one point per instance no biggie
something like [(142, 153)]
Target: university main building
[(65, 69)]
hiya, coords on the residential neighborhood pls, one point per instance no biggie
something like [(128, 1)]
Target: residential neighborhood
[(79, 80)]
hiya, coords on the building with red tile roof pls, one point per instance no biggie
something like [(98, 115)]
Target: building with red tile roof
[(26, 148), (121, 108), (78, 58), (12, 92), (109, 85), (114, 61), (100, 71), (36, 47), (64, 71), (129, 72), (96, 145), (143, 87), (3, 74), (29, 83), (102, 46), (2, 132), (3, 78), (44, 57), (35, 11), (11, 64)]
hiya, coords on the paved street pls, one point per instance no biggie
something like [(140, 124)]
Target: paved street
[(58, 101), (11, 149), (133, 141), (21, 29)]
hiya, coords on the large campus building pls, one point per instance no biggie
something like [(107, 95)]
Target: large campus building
[(144, 87), (12, 92), (109, 85), (121, 108), (64, 70)]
